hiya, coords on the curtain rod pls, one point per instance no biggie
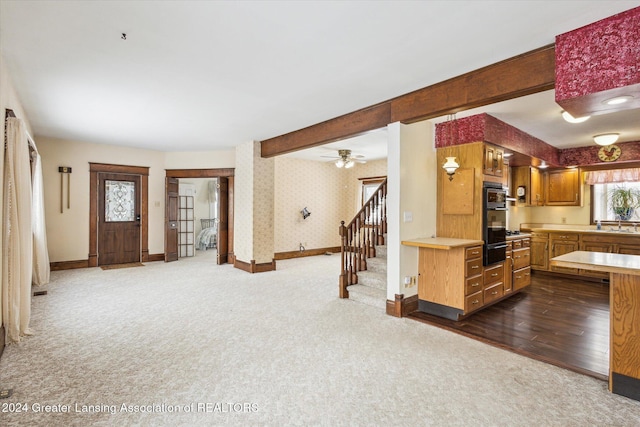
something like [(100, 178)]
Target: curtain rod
[(9, 113)]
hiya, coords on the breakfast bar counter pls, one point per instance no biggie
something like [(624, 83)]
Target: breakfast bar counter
[(624, 304)]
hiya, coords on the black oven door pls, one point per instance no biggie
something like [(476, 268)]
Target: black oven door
[(495, 253), (495, 226)]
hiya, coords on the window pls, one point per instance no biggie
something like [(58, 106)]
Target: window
[(602, 207)]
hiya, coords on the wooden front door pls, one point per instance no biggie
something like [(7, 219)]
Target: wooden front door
[(223, 219), (118, 218), (171, 220)]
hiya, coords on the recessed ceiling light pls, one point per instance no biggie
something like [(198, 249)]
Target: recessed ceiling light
[(618, 100), (569, 118), (606, 138)]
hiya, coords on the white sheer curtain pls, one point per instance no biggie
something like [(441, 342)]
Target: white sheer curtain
[(17, 235), (41, 268)]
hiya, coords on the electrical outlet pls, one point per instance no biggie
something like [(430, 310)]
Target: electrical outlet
[(407, 280)]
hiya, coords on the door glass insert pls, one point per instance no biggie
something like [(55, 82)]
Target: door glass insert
[(119, 201)]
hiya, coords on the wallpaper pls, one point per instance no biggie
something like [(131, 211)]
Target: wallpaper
[(243, 203), (330, 194), (598, 57)]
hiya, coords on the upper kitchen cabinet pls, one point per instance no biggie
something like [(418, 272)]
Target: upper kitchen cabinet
[(562, 187), (493, 160), (527, 186)]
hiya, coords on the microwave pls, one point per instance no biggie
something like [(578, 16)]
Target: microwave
[(495, 198)]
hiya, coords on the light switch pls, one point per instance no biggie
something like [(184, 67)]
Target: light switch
[(408, 216)]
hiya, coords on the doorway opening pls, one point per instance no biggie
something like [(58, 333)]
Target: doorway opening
[(199, 214)]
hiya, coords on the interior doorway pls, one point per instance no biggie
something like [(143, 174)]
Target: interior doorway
[(209, 225)]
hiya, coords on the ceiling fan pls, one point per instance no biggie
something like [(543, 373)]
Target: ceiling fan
[(346, 159)]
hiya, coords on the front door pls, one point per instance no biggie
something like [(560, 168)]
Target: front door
[(118, 218)]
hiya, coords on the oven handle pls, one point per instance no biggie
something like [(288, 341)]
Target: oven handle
[(499, 209), (499, 246)]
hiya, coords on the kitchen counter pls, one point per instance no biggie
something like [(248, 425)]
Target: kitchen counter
[(519, 236), (605, 230), (445, 243), (624, 309)]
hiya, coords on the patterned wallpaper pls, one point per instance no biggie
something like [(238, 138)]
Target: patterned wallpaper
[(598, 57), (243, 203), (263, 205), (329, 193), (584, 156)]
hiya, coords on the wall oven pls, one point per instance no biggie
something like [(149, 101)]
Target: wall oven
[(494, 223)]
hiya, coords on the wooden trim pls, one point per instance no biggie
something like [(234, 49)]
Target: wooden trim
[(373, 178), (199, 173), (352, 124), (94, 170), (109, 168), (401, 306), (155, 257), (69, 265), (252, 267), (521, 75), (305, 253)]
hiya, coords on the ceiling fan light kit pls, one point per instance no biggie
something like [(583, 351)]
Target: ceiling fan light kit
[(347, 160)]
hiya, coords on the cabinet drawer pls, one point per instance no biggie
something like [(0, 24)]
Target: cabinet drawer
[(526, 243), (521, 258), (473, 267), (474, 252), (473, 284), (473, 302), (538, 235), (493, 292), (494, 274), (563, 236), (521, 278)]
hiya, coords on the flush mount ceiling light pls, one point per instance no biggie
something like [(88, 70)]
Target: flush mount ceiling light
[(606, 138), (569, 118), (543, 165), (618, 100)]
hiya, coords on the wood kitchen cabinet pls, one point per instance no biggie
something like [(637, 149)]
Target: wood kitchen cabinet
[(560, 244), (493, 160), (528, 178), (562, 187), (539, 251)]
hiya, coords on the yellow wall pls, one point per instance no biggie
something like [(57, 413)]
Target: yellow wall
[(330, 194)]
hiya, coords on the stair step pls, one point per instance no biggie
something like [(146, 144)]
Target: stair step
[(368, 295), (373, 279), (381, 251), (377, 265)]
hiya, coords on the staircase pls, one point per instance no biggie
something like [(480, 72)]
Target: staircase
[(364, 253)]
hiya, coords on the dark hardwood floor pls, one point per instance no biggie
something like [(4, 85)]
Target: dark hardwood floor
[(557, 320)]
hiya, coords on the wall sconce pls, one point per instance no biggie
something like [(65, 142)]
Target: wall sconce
[(450, 166), (305, 213), (606, 138)]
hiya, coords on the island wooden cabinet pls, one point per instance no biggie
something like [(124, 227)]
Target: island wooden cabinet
[(521, 263), (562, 187)]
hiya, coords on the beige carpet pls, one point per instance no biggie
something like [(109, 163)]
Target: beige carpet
[(125, 265), (153, 346)]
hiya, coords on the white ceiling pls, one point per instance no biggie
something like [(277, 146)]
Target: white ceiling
[(206, 75)]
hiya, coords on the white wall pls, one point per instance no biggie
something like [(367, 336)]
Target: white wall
[(412, 189)]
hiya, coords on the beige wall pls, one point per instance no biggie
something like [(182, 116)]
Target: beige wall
[(8, 100), (412, 189), (331, 195), (68, 232)]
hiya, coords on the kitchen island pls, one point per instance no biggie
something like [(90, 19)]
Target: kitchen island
[(624, 305)]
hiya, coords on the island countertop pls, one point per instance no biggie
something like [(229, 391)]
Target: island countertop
[(600, 261), (441, 242)]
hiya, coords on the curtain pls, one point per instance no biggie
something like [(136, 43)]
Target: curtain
[(41, 268), (17, 235), (612, 176)]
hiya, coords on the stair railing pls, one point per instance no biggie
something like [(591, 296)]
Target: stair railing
[(361, 235)]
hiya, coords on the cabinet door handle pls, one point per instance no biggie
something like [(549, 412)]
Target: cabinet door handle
[(494, 293), (527, 274), (473, 267), (475, 302), (494, 274), (518, 277), (475, 253), (475, 284)]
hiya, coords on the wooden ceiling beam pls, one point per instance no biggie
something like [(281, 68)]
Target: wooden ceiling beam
[(521, 75)]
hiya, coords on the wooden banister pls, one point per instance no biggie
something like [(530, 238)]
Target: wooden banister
[(360, 237)]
